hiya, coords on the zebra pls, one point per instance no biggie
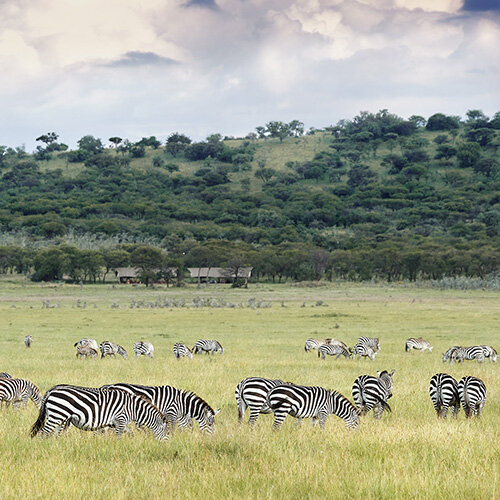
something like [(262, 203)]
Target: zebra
[(28, 339), (207, 346), (490, 353), (5, 375), (371, 342), (472, 393), (177, 405), (371, 392), (313, 344), (443, 390), (182, 351), (333, 350), (251, 393), (93, 409), (145, 349), (363, 350), (17, 391), (336, 342), (419, 344), (310, 402), (450, 354), (110, 349), (90, 342), (85, 351), (469, 353)]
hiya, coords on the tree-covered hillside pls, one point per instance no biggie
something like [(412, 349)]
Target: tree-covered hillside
[(377, 195)]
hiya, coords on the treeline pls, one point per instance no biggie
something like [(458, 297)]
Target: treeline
[(287, 261)]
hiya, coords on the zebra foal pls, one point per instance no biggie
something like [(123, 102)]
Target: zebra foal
[(333, 350), (443, 390), (85, 351), (17, 391), (310, 402), (111, 349), (92, 409), (145, 349), (418, 344)]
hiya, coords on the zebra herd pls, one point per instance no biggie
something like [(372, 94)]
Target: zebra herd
[(478, 352), (88, 348)]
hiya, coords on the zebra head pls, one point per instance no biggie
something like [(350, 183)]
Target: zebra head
[(207, 420), (122, 352), (386, 377)]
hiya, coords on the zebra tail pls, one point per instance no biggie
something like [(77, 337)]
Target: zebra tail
[(39, 421), (385, 405)]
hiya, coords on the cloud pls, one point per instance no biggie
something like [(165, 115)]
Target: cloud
[(209, 4), (137, 58)]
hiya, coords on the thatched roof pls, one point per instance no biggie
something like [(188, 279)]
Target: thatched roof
[(219, 272)]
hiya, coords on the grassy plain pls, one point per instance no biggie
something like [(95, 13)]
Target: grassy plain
[(408, 454)]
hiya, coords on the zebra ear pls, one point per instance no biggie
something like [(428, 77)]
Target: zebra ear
[(216, 411), (392, 373), (378, 373)]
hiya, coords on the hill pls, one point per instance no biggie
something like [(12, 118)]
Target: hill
[(373, 196)]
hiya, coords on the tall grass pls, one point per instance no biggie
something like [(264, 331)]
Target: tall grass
[(408, 454)]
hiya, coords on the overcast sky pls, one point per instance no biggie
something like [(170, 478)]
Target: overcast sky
[(134, 68)]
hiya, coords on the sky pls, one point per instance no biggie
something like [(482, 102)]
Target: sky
[(135, 69)]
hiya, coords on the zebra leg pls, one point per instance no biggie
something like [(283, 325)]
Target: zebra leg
[(444, 411), (322, 419), (377, 411), (254, 414), (279, 417), (242, 407)]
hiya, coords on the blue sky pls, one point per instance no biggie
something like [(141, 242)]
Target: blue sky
[(135, 69)]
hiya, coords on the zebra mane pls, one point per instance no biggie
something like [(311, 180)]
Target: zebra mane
[(333, 392), (205, 405)]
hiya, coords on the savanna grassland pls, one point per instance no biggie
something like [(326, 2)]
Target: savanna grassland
[(408, 454)]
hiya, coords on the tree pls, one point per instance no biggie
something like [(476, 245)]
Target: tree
[(265, 174), (235, 264), (483, 136), (360, 175), (468, 154), (48, 138), (278, 129), (49, 264), (115, 140), (176, 144), (149, 260), (487, 166), (439, 121), (90, 145), (296, 128)]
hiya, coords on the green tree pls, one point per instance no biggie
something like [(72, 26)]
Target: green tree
[(149, 260), (468, 154)]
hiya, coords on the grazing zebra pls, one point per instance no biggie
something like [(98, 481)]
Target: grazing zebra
[(28, 340), (5, 375), (92, 409), (443, 391), (310, 402), (177, 405), (182, 351), (333, 350), (371, 342), (207, 346), (251, 393), (17, 391), (336, 342), (450, 354), (312, 344), (110, 349), (85, 351), (472, 392), (469, 353), (490, 353), (90, 342), (371, 392), (419, 344), (145, 349)]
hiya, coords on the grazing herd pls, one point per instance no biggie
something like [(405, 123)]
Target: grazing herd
[(162, 408)]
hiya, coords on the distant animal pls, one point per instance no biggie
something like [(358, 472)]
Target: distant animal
[(178, 406), (373, 392), (85, 351), (19, 391), (310, 402), (90, 342), (96, 409), (251, 393), (333, 350), (472, 392), (207, 346), (111, 349), (145, 349), (366, 347), (312, 344), (28, 339), (489, 353), (418, 344), (5, 375), (469, 353), (336, 342), (450, 354), (182, 351), (443, 390)]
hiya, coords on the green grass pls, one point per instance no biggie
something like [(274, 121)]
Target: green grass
[(408, 454)]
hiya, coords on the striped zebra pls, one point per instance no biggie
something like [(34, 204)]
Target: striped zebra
[(310, 402), (333, 350), (251, 393), (336, 342), (450, 354), (207, 346), (312, 344), (177, 405), (418, 344), (145, 349), (85, 351), (17, 391), (90, 342), (5, 375), (182, 351), (472, 392), (111, 349), (469, 353), (489, 353), (28, 339), (92, 409), (371, 392), (443, 391)]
